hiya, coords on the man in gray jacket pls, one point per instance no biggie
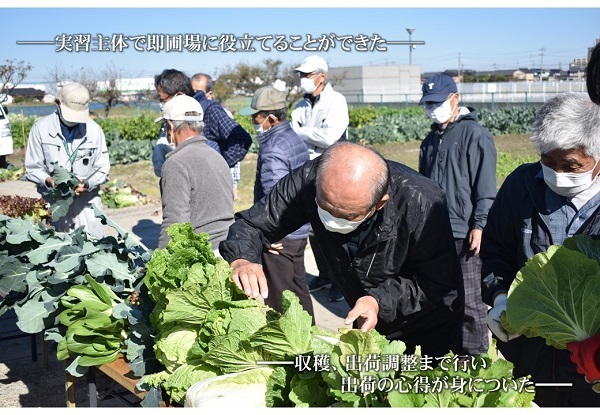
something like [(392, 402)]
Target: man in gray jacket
[(459, 154), (196, 182)]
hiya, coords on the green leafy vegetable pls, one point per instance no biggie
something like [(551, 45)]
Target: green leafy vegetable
[(556, 295), (117, 194), (173, 345), (61, 195), (168, 268), (93, 334)]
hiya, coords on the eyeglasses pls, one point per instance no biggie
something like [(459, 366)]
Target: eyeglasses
[(308, 75), (163, 100)]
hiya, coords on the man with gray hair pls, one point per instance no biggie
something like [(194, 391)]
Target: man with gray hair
[(196, 184), (542, 204), (388, 239)]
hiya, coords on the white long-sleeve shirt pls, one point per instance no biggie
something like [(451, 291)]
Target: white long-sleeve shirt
[(324, 123)]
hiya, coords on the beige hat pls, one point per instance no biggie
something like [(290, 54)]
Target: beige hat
[(266, 98), (177, 107), (74, 103)]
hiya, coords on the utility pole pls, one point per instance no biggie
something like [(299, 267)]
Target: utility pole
[(542, 64), (459, 65), (410, 31)]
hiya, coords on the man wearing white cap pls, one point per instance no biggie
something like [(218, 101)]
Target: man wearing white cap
[(320, 119), (75, 142), (196, 182)]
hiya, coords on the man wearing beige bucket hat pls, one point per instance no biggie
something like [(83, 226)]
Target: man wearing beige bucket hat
[(76, 143)]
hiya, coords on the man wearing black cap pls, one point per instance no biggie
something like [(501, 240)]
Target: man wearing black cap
[(460, 155)]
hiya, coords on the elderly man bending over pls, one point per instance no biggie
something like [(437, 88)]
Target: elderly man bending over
[(196, 183), (387, 235)]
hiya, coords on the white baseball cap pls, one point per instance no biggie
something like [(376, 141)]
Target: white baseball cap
[(176, 109), (74, 102), (312, 63)]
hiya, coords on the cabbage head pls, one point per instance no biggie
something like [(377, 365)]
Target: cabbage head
[(173, 344)]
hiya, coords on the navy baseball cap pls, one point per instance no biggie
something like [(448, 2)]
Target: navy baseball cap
[(438, 88)]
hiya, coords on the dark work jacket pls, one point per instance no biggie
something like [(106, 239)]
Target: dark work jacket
[(280, 150), (408, 262), (516, 230), (222, 133), (462, 159)]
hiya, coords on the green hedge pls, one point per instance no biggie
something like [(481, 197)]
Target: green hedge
[(135, 129), (18, 124)]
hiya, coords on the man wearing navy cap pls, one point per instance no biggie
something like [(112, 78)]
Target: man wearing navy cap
[(460, 155)]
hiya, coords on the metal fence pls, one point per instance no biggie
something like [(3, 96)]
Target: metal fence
[(481, 95)]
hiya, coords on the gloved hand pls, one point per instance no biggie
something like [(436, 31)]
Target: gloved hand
[(493, 319), (585, 354)]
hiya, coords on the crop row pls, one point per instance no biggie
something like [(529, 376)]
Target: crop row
[(133, 139)]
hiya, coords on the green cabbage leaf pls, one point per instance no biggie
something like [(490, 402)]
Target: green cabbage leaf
[(556, 295)]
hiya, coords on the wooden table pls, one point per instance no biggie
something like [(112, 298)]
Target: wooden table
[(118, 371)]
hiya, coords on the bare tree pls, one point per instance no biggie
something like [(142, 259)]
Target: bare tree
[(244, 79), (109, 94), (12, 73), (104, 86)]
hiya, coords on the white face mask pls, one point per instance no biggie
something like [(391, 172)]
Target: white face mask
[(568, 184), (333, 224), (308, 85), (440, 114), (259, 127), (65, 122)]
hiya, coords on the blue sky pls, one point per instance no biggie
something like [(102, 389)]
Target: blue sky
[(485, 38)]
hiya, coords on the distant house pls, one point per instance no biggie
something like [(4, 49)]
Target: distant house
[(27, 94), (519, 75)]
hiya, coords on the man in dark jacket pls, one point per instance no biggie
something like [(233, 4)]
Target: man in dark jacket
[(388, 239), (539, 205), (280, 150), (460, 155), (222, 133)]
